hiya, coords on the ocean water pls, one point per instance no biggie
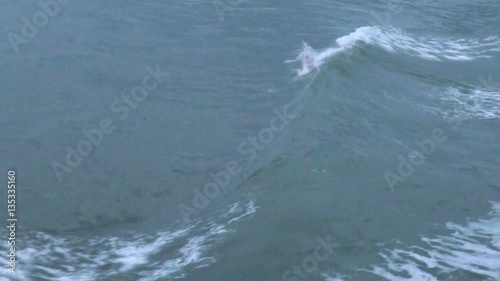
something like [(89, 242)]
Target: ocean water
[(251, 140)]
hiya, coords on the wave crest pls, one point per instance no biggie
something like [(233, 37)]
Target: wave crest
[(398, 41)]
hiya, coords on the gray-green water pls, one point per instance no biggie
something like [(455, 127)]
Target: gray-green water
[(252, 140)]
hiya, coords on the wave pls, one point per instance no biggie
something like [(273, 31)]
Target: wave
[(135, 257), (398, 41)]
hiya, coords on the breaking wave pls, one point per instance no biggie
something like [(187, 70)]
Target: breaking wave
[(394, 40)]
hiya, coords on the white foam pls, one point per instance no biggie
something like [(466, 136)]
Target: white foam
[(476, 103), (335, 277), (190, 254), (240, 212), (68, 258), (473, 248), (394, 40)]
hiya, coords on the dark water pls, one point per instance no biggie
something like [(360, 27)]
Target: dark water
[(252, 140)]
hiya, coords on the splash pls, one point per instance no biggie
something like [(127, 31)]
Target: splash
[(311, 59)]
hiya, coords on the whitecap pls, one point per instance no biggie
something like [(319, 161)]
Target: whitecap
[(395, 40)]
